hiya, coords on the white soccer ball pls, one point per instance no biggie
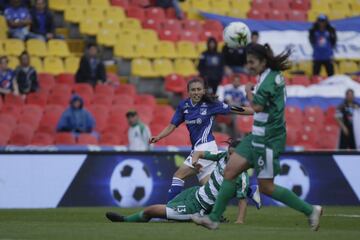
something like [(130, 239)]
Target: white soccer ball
[(294, 177), (131, 183), (237, 34)]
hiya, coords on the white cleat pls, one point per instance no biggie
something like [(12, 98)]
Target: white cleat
[(255, 196), (314, 218), (204, 221)]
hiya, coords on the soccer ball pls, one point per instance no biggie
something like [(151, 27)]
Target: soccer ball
[(294, 176), (237, 34), (131, 183)]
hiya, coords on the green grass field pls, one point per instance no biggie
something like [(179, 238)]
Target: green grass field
[(90, 223)]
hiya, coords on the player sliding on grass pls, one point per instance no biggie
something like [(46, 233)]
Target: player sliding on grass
[(198, 199), (198, 113), (262, 148)]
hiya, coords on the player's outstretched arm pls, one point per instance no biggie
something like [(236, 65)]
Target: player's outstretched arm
[(164, 133), (250, 96), (242, 205), (242, 110)]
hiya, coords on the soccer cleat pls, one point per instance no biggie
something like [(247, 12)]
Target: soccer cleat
[(255, 196), (314, 218), (114, 217), (204, 221)]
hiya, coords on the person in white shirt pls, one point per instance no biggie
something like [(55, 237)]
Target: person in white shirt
[(233, 93), (138, 133)]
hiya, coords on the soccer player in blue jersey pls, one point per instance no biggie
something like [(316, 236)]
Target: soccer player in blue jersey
[(198, 112)]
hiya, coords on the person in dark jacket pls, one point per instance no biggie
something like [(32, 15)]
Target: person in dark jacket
[(6, 78), (76, 118), (91, 69), (42, 21), (25, 75), (323, 39), (211, 65), (344, 116)]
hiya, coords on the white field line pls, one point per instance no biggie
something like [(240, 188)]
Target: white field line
[(343, 215)]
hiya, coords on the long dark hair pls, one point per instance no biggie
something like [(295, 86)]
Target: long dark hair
[(274, 62), (207, 97)]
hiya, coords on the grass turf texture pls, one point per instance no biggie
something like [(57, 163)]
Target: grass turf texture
[(90, 223)]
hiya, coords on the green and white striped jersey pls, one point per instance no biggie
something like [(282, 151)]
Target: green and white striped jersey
[(270, 92), (207, 194)]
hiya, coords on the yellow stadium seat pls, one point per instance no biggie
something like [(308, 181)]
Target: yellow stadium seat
[(147, 35), (3, 25), (79, 3), (100, 3), (313, 15), (186, 49), (142, 67), (146, 50), (2, 51), (237, 13), (128, 35), (115, 13), (338, 14), (320, 5), (58, 48), (106, 37), (71, 64), (203, 5), (110, 24), (201, 47), (125, 50), (166, 49), (53, 65), (13, 47), (348, 67), (13, 62), (36, 63), (355, 7), (36, 47), (58, 5), (306, 67), (222, 6), (89, 27), (94, 13), (185, 5), (163, 67), (241, 5), (3, 33), (74, 14), (185, 67), (131, 24), (340, 6)]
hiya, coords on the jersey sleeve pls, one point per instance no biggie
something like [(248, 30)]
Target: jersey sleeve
[(219, 108), (214, 156), (178, 117)]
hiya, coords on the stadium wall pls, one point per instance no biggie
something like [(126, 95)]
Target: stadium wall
[(64, 179)]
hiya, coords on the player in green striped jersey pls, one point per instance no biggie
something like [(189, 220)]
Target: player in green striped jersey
[(261, 149), (198, 200)]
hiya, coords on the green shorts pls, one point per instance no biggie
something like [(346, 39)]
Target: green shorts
[(264, 159), (242, 185), (183, 205)]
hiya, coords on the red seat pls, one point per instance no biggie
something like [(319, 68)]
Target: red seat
[(221, 138), (37, 98), (206, 34), (8, 119), (22, 134), (315, 111), (1, 102), (135, 12), (54, 109), (189, 35), (260, 4), (192, 25), (12, 109), (119, 109), (116, 126), (169, 35), (256, 14), (120, 3), (161, 119), (213, 25), (66, 78), (152, 23), (295, 15), (32, 109), (244, 123), (13, 99), (145, 99), (155, 13), (276, 14), (104, 89), (83, 89), (328, 141), (103, 99), (170, 13), (145, 113), (99, 109), (61, 89), (59, 99), (175, 83), (302, 5), (292, 134), (300, 80), (46, 81), (3, 140), (86, 139), (64, 138), (5, 130), (314, 121), (309, 140), (42, 139), (113, 78), (126, 88), (316, 79), (172, 24), (330, 116), (109, 139), (177, 138), (156, 128), (124, 99), (140, 3), (163, 110), (283, 5)]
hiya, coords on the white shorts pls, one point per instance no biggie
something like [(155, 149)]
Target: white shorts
[(207, 165)]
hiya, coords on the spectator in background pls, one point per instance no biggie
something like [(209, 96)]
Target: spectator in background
[(138, 133), (6, 78), (323, 39), (233, 93), (91, 69), (19, 20), (42, 21), (254, 37), (211, 65), (25, 75), (171, 3), (76, 118), (344, 116), (234, 60)]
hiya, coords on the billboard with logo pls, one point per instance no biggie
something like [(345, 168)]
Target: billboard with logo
[(138, 179)]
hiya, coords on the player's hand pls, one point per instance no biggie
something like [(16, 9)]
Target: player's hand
[(197, 167), (249, 87), (154, 139), (346, 131)]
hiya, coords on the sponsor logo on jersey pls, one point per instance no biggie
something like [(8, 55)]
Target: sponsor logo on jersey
[(186, 111), (203, 111), (204, 105), (194, 121)]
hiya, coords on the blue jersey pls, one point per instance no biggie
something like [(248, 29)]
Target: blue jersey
[(6, 79), (199, 119), (16, 14)]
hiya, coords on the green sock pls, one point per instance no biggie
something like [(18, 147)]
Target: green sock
[(291, 199), (227, 191), (136, 217)]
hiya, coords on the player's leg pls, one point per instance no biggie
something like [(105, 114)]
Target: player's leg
[(178, 182), (316, 67), (329, 66), (152, 211)]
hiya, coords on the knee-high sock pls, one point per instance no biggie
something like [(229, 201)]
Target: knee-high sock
[(136, 217), (176, 188), (291, 200), (227, 191)]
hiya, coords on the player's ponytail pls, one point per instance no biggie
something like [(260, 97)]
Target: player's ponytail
[(274, 62), (207, 97)]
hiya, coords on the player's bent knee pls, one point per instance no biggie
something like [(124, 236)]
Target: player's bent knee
[(230, 173), (183, 172), (266, 188)]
